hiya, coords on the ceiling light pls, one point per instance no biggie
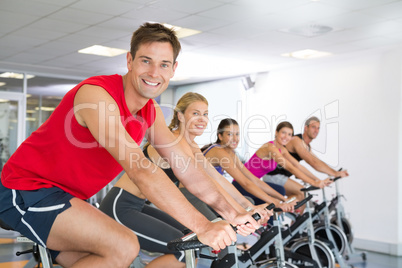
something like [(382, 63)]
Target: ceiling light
[(182, 32), (15, 75), (306, 54), (179, 78), (310, 30), (2, 84), (30, 119), (46, 109), (3, 100), (102, 51)]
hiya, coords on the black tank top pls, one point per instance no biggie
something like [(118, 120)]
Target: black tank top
[(168, 171), (295, 155)]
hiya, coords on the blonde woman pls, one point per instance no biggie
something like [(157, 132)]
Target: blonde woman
[(154, 228)]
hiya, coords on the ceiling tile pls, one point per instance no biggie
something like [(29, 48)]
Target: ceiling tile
[(389, 11), (28, 7), (14, 21), (372, 42), (57, 25), (188, 6), (154, 14), (39, 33), (349, 20), (313, 11), (103, 32), (30, 58), (356, 5), (269, 6), (231, 13), (114, 8), (200, 23), (83, 16)]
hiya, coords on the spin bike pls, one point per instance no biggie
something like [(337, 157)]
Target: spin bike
[(329, 233), (337, 211), (231, 257), (300, 239)]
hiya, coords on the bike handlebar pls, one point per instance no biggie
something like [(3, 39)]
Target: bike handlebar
[(298, 204), (190, 241)]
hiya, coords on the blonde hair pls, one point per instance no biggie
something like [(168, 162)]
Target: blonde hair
[(182, 105)]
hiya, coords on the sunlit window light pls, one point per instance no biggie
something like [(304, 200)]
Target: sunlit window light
[(306, 54), (102, 51), (15, 75)]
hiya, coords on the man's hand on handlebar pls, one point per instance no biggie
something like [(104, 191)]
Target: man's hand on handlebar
[(287, 206), (245, 223), (217, 235), (323, 183), (263, 211), (342, 173)]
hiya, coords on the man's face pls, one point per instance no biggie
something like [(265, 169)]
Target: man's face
[(152, 68), (312, 129)]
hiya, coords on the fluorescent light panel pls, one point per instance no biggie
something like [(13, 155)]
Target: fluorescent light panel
[(2, 84), (306, 54), (182, 32), (102, 51), (46, 109), (15, 75)]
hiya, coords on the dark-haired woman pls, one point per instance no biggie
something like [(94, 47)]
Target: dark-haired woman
[(223, 157)]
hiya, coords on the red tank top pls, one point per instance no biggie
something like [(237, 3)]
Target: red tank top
[(62, 153)]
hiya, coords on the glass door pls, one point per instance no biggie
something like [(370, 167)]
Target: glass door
[(11, 128)]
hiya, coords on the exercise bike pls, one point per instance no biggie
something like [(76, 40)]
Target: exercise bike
[(329, 233), (300, 238), (231, 256), (337, 211)]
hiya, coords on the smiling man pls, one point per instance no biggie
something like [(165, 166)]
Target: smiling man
[(89, 139)]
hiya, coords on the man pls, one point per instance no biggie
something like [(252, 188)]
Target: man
[(90, 138), (299, 147)]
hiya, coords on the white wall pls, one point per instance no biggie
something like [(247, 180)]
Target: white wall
[(359, 100), (359, 103), (225, 100)]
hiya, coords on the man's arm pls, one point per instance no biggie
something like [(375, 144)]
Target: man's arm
[(313, 161), (191, 172), (108, 130)]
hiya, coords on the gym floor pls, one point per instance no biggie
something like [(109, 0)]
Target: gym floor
[(8, 259)]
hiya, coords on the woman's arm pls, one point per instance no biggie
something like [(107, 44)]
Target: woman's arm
[(264, 186), (228, 163), (293, 166)]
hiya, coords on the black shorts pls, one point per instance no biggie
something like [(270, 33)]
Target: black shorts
[(153, 227), (32, 213)]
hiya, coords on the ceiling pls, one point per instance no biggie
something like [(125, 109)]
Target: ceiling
[(238, 36)]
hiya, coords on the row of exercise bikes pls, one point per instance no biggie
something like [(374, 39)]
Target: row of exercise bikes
[(321, 237)]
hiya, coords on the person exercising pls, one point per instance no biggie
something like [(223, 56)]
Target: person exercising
[(92, 136), (299, 147), (274, 153), (154, 228), (223, 157)]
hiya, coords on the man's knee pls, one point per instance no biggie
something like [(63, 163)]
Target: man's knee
[(126, 250)]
